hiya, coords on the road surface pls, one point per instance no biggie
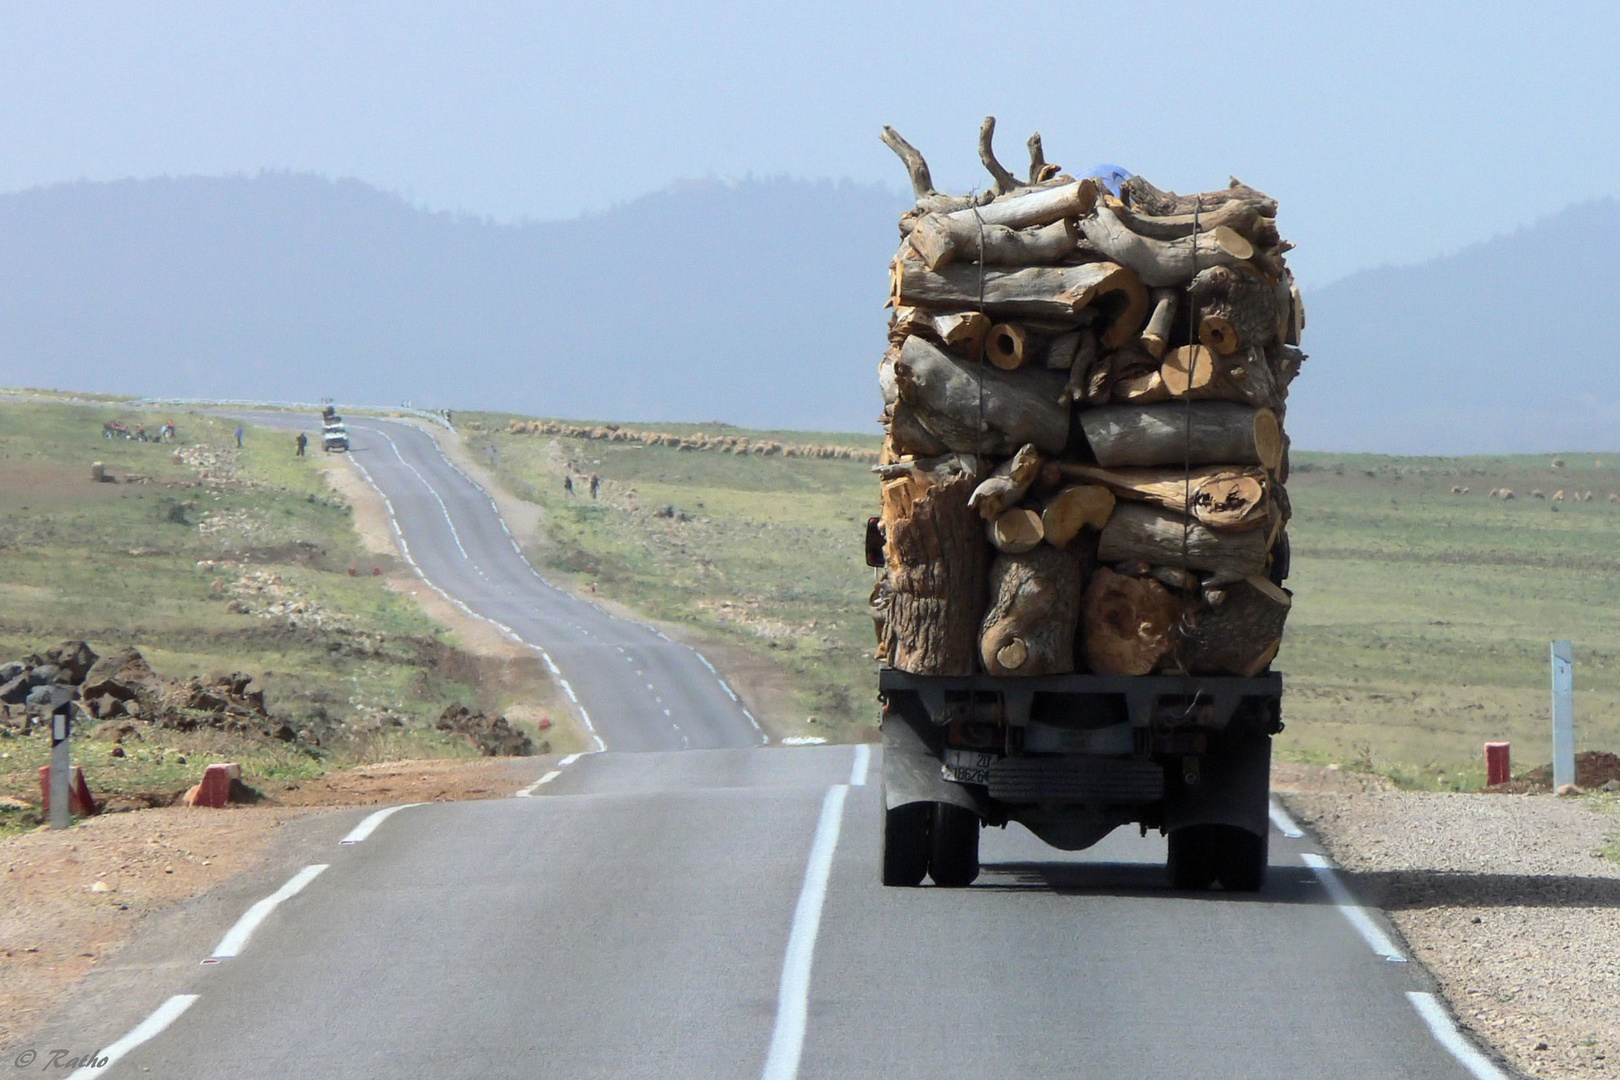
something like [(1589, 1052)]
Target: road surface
[(714, 911)]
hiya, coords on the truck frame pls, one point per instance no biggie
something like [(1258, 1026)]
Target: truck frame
[(1073, 757)]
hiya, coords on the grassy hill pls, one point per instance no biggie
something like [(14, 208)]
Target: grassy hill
[(1421, 617)]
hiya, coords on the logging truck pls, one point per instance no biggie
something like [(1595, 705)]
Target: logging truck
[(1083, 538)]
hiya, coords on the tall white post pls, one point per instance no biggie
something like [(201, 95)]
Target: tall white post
[(1563, 712), (61, 767)]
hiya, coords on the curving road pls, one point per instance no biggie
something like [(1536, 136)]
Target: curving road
[(715, 912)]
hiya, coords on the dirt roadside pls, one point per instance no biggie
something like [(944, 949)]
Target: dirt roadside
[(1508, 900)]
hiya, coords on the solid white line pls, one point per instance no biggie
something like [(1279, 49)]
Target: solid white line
[(166, 1014), (793, 997), (857, 771), (546, 779), (1446, 1034), (1285, 824), (569, 760), (1369, 930), (454, 535), (237, 936), (369, 826)]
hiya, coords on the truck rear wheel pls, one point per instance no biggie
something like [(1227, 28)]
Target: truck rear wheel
[(905, 843), (1194, 852), (1242, 862), (953, 861)]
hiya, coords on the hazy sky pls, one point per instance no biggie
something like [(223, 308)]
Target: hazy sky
[(1391, 132)]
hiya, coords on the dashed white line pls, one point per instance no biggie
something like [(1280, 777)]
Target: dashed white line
[(1446, 1034), (153, 1025), (1370, 932), (445, 510), (369, 825), (1285, 823), (793, 995), (236, 938)]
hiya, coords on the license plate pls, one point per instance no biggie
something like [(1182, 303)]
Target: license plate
[(968, 766)]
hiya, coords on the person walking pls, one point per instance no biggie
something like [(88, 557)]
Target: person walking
[(239, 436), (303, 441), (596, 482)]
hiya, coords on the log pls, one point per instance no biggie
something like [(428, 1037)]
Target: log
[(1241, 634), (1074, 508), (1242, 217), (942, 240), (1034, 609), (1061, 352), (1217, 496), (1035, 206), (1236, 308), (962, 332), (936, 561), (1015, 531), (978, 409), (1162, 262), (1196, 372), (1134, 378), (1296, 320), (1085, 359), (1127, 624), (1163, 538), (909, 436), (1007, 484), (1039, 170), (1005, 181), (1156, 337), (1177, 433), (1058, 293), (922, 184), (1008, 346), (1149, 199)]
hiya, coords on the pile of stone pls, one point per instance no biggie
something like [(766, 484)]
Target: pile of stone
[(492, 736)]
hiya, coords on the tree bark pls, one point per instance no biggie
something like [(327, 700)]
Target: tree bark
[(1005, 181), (1242, 217), (942, 240), (1127, 623), (1150, 200), (922, 184), (1016, 531), (1156, 337), (937, 556), (1034, 609), (978, 409), (1217, 496), (1176, 433), (1241, 634), (1057, 293), (1035, 206), (1162, 262), (1007, 484), (1075, 508), (1236, 308), (1163, 538), (1085, 359)]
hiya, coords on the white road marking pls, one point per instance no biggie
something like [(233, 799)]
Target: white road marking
[(165, 1014), (569, 760), (803, 740), (1285, 824), (793, 995), (666, 712), (1446, 1034), (369, 825), (1370, 932), (445, 510), (857, 771), (546, 779), (236, 938)]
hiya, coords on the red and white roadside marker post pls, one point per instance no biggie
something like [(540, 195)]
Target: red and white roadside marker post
[(1563, 713), (1498, 763)]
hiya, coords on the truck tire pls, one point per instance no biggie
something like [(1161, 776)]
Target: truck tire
[(953, 861), (905, 844), (1241, 864), (1194, 857)]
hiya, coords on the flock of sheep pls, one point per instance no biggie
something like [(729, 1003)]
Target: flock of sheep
[(1536, 493)]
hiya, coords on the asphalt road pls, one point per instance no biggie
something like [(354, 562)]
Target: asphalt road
[(716, 913)]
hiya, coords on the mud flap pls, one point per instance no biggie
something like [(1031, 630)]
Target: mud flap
[(1233, 787), (911, 766)]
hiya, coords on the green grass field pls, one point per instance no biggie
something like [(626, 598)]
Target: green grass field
[(1421, 621), (155, 564)]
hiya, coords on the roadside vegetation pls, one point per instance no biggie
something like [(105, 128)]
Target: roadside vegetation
[(212, 560), (1422, 615)]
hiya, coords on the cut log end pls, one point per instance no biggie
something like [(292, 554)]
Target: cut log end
[(1007, 346), (1016, 531), (1075, 508), (1012, 655), (1217, 333), (1268, 439)]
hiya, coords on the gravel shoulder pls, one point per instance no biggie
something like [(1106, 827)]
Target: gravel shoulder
[(1509, 901)]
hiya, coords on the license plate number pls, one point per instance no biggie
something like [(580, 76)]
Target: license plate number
[(968, 766)]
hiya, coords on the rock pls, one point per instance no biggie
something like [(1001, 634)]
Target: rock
[(11, 670), (76, 658), (101, 886), (494, 736), (40, 695), (1612, 785), (115, 731), (124, 675), (15, 692), (1569, 789), (117, 751), (44, 674)]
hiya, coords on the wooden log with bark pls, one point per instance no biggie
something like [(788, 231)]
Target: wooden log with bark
[(1241, 634), (1034, 206), (936, 560), (1181, 433), (1007, 484), (1127, 624), (1009, 346), (1236, 308), (1163, 262), (1029, 626), (941, 240), (1150, 200), (1156, 335), (1217, 496), (978, 409), (1246, 376), (1158, 537), (1056, 293)]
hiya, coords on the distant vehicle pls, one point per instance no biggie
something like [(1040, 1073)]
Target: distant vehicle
[(334, 437)]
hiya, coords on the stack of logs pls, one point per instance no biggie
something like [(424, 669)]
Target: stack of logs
[(1085, 456)]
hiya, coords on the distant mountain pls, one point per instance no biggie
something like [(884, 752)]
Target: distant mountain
[(758, 302), (1509, 345)]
